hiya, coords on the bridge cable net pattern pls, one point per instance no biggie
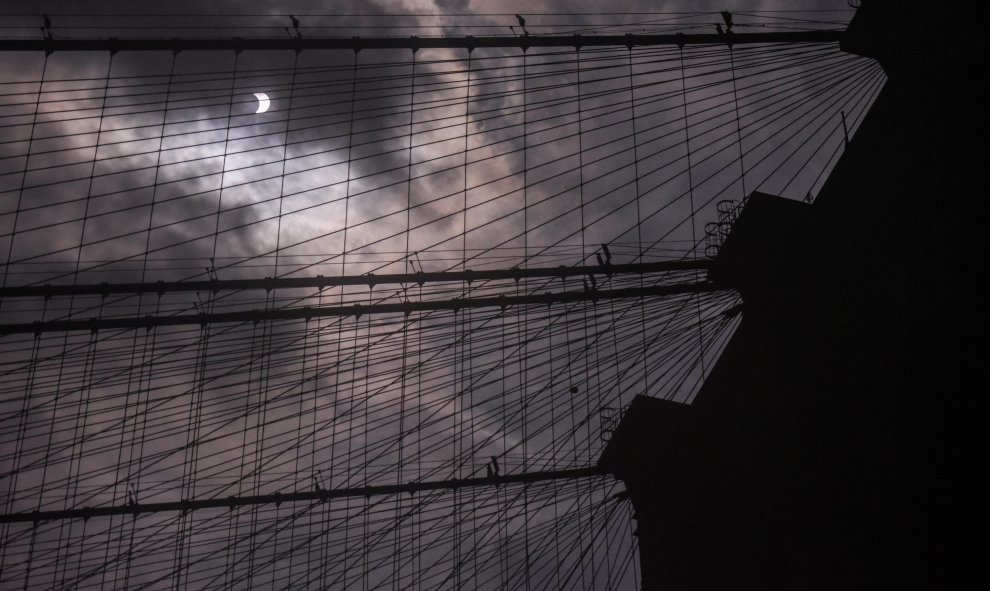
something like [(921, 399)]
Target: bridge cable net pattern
[(156, 167)]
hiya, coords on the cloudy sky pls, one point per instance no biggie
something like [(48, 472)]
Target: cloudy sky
[(147, 166)]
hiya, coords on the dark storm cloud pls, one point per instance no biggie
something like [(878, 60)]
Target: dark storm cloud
[(452, 5)]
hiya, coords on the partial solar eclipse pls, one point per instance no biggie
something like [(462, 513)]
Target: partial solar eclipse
[(263, 102)]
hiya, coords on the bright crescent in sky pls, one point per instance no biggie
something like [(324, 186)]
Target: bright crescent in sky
[(263, 102)]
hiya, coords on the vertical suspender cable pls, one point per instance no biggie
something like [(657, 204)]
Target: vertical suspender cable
[(694, 237), (639, 216), (92, 171), (523, 331), (735, 102), (281, 178), (334, 466), (28, 392), (223, 160), (467, 320), (24, 174), (584, 257), (396, 562)]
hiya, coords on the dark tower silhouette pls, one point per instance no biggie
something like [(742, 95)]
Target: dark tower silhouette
[(836, 441)]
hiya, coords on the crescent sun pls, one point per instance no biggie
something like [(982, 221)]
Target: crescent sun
[(263, 102)]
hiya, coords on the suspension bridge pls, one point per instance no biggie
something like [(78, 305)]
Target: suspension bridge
[(456, 308)]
